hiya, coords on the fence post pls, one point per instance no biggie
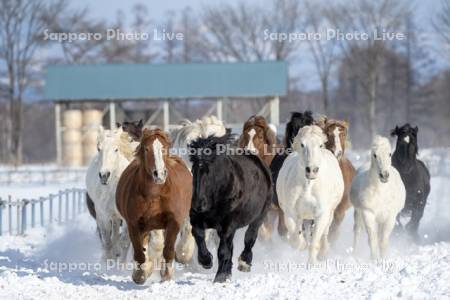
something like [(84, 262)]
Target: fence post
[(67, 203), (79, 201), (51, 208), (1, 216), (9, 215), (24, 216), (59, 207), (33, 213), (74, 203), (18, 231), (41, 211)]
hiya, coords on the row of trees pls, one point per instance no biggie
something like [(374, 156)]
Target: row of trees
[(370, 82)]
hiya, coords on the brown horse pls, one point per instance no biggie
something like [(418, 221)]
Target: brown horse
[(336, 132), (154, 193), (260, 138)]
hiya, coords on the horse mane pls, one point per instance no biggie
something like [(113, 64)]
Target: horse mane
[(123, 140), (379, 142), (211, 143), (297, 121), (305, 130), (324, 122)]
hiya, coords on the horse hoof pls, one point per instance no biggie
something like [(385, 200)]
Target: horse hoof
[(222, 277), (243, 266), (206, 260), (139, 277)]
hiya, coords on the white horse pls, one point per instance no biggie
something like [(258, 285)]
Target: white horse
[(309, 187), (378, 195), (101, 181)]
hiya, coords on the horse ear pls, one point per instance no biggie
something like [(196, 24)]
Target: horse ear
[(416, 130), (394, 131), (118, 125), (145, 132), (141, 123), (346, 123)]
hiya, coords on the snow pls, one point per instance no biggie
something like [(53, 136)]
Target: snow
[(27, 263)]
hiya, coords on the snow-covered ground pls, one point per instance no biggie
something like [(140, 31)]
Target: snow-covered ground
[(28, 265)]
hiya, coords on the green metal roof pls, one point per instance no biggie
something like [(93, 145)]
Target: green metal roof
[(156, 81)]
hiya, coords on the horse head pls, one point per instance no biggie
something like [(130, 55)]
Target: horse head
[(406, 140), (133, 128), (297, 121), (381, 157), (257, 134), (108, 147), (153, 152), (336, 132), (309, 142)]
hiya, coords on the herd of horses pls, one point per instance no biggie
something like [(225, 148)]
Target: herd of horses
[(167, 194)]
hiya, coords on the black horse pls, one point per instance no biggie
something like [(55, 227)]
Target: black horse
[(414, 174), (230, 191), (297, 121)]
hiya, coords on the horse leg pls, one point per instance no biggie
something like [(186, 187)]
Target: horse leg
[(137, 240), (225, 254), (320, 224), (185, 246), (105, 229), (172, 230), (115, 238), (282, 229), (356, 228), (413, 225), (266, 228), (385, 233), (338, 217), (324, 243), (372, 231), (155, 248), (204, 256), (124, 243), (245, 259)]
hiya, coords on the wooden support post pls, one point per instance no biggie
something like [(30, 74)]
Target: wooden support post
[(24, 216), (60, 207), (74, 203), (50, 208), (275, 111), (67, 204), (219, 107), (33, 213), (9, 215), (166, 116), (112, 115), (18, 213), (58, 133), (41, 211)]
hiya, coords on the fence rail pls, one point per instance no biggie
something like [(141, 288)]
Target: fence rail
[(16, 216)]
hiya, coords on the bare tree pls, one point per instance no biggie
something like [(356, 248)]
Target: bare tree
[(366, 55), (323, 51), (21, 27), (60, 19), (442, 22)]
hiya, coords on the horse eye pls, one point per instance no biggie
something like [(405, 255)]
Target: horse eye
[(302, 145), (390, 154), (116, 150), (374, 155), (321, 146)]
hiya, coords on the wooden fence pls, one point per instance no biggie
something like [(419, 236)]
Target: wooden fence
[(18, 215)]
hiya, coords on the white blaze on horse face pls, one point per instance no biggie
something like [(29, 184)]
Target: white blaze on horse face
[(160, 172), (250, 145), (406, 139), (337, 143)]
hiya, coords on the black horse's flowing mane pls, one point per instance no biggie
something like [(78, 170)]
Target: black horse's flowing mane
[(197, 148), (298, 120)]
